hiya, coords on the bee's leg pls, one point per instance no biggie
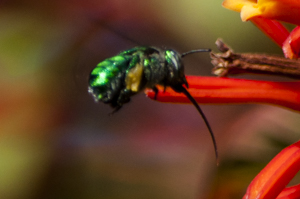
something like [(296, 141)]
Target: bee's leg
[(165, 87), (116, 108), (115, 105), (124, 97), (155, 89)]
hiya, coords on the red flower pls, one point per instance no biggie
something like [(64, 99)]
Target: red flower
[(282, 10), (271, 181), (291, 46), (215, 90), (263, 12)]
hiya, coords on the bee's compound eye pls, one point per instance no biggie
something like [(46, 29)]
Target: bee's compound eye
[(175, 67), (173, 58)]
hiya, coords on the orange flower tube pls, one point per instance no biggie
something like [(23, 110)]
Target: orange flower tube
[(273, 29), (215, 90)]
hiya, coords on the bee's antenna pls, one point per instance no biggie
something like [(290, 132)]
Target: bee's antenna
[(188, 95), (196, 51)]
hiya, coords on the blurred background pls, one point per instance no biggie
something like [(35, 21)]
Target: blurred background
[(56, 142)]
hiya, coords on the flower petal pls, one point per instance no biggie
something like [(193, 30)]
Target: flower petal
[(290, 193), (291, 46), (282, 10), (276, 175), (250, 11), (273, 29), (215, 90), (237, 5)]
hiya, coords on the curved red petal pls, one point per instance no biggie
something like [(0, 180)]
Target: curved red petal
[(276, 175), (291, 46), (273, 29), (292, 192)]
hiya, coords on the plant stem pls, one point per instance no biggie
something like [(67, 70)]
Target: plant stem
[(229, 63)]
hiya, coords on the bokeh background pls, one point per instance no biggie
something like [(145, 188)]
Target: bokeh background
[(56, 142)]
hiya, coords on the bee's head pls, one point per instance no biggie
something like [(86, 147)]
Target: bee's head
[(175, 69), (175, 76)]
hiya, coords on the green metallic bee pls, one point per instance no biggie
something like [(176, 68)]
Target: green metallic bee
[(116, 79)]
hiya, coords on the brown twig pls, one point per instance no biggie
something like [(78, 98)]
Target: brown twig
[(229, 63)]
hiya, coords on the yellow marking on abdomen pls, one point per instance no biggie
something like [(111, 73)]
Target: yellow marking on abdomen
[(134, 77)]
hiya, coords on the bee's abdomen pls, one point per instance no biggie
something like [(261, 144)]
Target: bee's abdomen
[(106, 80)]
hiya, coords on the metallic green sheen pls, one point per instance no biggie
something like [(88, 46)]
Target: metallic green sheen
[(134, 50), (170, 57), (105, 72), (107, 82), (108, 69), (106, 78)]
